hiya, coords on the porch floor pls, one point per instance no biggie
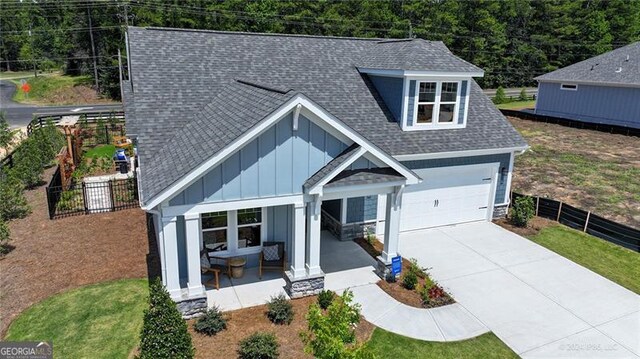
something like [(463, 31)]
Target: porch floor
[(345, 264)]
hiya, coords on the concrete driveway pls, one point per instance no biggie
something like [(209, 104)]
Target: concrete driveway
[(539, 303)]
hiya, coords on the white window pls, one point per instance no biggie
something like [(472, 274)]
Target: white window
[(569, 87), (437, 102), (214, 231), (249, 227)]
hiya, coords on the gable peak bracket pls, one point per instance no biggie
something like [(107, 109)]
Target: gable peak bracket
[(296, 116)]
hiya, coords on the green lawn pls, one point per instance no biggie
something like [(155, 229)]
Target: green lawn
[(4, 75), (388, 345), (96, 321), (101, 151), (616, 263), (517, 105), (43, 88)]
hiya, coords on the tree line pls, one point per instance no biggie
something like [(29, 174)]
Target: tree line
[(512, 40)]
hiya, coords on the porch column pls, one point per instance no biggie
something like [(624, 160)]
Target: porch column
[(192, 238), (313, 239), (392, 226), (297, 255), (170, 245)]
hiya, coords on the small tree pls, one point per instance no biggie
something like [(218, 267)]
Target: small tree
[(13, 204), (332, 335), (164, 332), (6, 134), (522, 211), (500, 97), (523, 95)]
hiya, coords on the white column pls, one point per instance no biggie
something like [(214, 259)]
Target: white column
[(297, 255), (313, 240), (170, 245), (392, 226), (192, 238)]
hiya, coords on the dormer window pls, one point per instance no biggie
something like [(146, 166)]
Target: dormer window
[(437, 102)]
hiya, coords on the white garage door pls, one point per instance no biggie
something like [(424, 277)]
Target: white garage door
[(448, 195)]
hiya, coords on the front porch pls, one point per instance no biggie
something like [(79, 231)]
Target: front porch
[(344, 263)]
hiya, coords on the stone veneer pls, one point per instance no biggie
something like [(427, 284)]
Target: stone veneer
[(500, 211), (192, 308), (303, 287)]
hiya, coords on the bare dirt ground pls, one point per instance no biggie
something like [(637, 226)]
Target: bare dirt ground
[(244, 322), (592, 170), (52, 256)]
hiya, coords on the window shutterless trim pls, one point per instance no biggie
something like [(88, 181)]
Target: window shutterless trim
[(435, 124), (569, 87)]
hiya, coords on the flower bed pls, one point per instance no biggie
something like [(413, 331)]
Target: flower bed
[(421, 292)]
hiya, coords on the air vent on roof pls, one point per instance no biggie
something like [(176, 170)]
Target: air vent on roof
[(627, 60), (619, 70)]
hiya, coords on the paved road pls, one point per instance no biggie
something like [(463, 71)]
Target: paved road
[(539, 303), (19, 115)]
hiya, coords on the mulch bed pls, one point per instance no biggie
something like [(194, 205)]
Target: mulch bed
[(535, 225), (396, 290), (244, 322), (52, 256)]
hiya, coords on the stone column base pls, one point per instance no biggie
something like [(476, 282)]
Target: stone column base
[(305, 286), (192, 308), (500, 211), (383, 270)]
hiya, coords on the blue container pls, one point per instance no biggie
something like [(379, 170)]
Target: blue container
[(120, 155)]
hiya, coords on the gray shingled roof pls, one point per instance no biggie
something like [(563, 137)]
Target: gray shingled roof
[(413, 54), (620, 66), (177, 74), (365, 176), (330, 166)]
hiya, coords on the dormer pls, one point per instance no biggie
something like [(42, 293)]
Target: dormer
[(422, 83)]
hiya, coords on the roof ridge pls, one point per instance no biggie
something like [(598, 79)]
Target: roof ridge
[(272, 34), (279, 90)]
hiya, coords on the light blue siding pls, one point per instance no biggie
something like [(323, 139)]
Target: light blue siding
[(276, 163), (390, 89), (463, 99), (362, 209), (503, 158), (596, 104), (280, 226), (411, 111)]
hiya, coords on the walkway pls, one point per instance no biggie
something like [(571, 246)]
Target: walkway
[(538, 302)]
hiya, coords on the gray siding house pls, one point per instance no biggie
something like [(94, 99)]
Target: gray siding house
[(245, 139), (604, 89)]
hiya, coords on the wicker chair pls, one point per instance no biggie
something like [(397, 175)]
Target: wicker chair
[(280, 264)]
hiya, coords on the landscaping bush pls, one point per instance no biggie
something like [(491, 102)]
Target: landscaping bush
[(13, 204), (500, 97), (522, 210), (4, 237), (36, 152), (211, 323), (410, 280), (331, 335), (7, 135), (280, 310), (259, 346), (325, 298), (523, 95), (164, 332)]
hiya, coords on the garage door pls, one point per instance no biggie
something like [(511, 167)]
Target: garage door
[(448, 195)]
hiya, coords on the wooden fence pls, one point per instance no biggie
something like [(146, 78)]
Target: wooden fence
[(525, 115), (585, 221)]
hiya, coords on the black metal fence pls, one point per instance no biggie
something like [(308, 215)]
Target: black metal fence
[(42, 119), (90, 197), (525, 115), (586, 221)]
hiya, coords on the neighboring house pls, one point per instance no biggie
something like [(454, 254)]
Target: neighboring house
[(245, 139), (604, 89)]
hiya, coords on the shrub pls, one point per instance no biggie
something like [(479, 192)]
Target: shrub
[(4, 236), (211, 323), (13, 204), (332, 334), (164, 332), (280, 310), (500, 97), (410, 280), (424, 294), (259, 346), (522, 211), (7, 135), (325, 298), (523, 95), (415, 268)]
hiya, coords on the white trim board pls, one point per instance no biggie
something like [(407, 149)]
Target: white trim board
[(468, 153), (317, 188), (414, 73), (314, 112), (591, 83)]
